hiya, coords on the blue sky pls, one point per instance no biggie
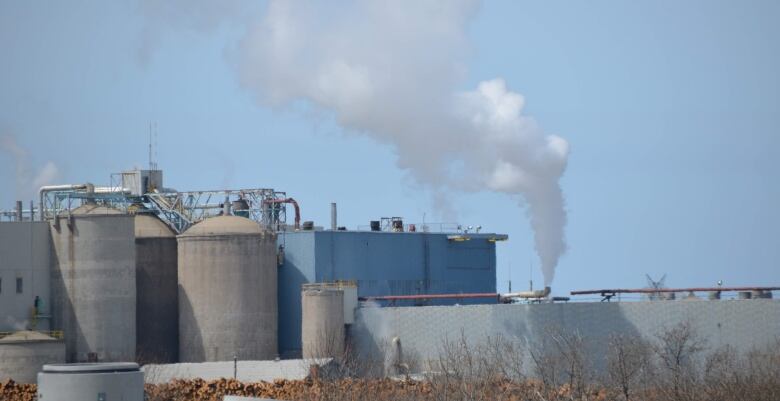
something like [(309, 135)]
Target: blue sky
[(670, 109)]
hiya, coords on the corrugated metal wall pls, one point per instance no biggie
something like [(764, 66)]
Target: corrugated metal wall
[(382, 263), (741, 323)]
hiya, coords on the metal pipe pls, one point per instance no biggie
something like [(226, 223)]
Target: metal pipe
[(430, 296), (295, 205), (111, 190), (653, 290), (50, 188), (528, 294)]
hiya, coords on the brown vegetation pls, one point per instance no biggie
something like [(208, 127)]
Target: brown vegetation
[(676, 365)]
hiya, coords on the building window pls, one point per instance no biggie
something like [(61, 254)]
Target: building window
[(19, 285)]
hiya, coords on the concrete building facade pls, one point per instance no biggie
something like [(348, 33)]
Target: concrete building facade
[(25, 261)]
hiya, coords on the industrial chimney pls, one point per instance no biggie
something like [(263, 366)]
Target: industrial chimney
[(333, 220)]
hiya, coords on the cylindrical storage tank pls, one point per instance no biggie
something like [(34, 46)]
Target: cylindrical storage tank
[(322, 331), (93, 283), (91, 381), (157, 309), (23, 354), (227, 291)]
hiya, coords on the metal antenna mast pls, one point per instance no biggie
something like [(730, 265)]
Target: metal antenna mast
[(150, 145), (655, 285), (156, 147)]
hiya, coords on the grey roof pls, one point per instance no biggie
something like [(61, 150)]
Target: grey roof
[(223, 225), (148, 226)]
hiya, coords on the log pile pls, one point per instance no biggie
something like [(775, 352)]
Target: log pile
[(13, 391), (293, 390), (320, 390)]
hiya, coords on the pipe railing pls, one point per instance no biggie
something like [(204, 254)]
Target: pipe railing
[(52, 188), (430, 296), (666, 290), (292, 201)]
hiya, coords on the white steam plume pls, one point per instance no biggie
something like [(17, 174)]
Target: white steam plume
[(388, 69), (28, 179)]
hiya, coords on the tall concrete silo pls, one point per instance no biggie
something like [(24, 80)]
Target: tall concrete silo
[(322, 331), (157, 316), (227, 291), (93, 283)]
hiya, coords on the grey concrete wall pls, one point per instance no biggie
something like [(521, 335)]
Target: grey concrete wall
[(743, 324), (157, 308), (247, 371), (25, 252)]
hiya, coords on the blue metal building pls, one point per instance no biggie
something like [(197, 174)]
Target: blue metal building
[(382, 263)]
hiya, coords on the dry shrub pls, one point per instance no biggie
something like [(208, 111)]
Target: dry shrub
[(628, 364), (674, 367), (678, 351)]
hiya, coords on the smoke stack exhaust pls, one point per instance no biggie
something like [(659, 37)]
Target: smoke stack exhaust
[(448, 139)]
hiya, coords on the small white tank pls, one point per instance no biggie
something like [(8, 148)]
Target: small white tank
[(322, 331), (91, 381)]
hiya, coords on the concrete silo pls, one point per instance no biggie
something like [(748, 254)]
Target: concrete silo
[(157, 316), (227, 291), (93, 283), (322, 330)]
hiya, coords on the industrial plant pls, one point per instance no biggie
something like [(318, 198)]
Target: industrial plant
[(136, 272)]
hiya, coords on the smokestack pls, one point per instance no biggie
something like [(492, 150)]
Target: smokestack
[(226, 207), (333, 220), (90, 189), (18, 210)]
